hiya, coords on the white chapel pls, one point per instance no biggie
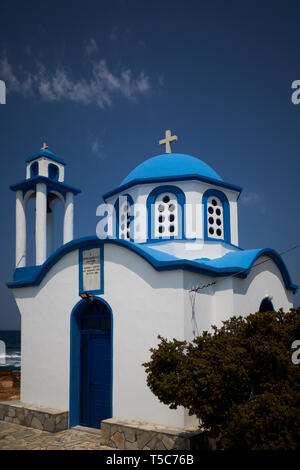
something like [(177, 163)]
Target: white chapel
[(168, 239)]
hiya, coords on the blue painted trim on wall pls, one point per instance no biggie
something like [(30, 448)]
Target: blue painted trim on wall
[(75, 360), (226, 214), (34, 170), (101, 288), (151, 212), (53, 172), (52, 185), (116, 215), (159, 179), (227, 265)]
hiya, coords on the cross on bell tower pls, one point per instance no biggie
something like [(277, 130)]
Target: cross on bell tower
[(168, 140)]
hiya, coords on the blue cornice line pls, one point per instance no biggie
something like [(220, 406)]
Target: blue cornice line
[(230, 264), (30, 183), (164, 179)]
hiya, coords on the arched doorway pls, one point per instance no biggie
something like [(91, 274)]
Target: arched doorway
[(266, 305), (91, 363)]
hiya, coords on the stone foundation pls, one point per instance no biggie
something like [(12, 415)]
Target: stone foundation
[(134, 435), (45, 419)]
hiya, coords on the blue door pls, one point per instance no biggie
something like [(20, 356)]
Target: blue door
[(96, 366)]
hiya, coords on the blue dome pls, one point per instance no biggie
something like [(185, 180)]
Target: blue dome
[(171, 165)]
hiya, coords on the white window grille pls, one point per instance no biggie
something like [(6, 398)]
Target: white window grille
[(166, 216), (124, 218), (215, 221)]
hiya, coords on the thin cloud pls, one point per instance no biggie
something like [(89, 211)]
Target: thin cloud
[(7, 73), (96, 148), (90, 47), (100, 85), (251, 199), (254, 200)]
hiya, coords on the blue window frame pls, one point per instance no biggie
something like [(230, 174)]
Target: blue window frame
[(53, 172), (221, 230), (34, 169), (151, 211)]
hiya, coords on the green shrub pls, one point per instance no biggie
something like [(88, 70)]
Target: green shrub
[(239, 380)]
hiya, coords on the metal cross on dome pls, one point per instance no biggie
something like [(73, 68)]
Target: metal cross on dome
[(167, 141)]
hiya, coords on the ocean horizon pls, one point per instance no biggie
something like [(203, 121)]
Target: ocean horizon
[(11, 358)]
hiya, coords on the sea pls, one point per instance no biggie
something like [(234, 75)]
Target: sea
[(10, 350)]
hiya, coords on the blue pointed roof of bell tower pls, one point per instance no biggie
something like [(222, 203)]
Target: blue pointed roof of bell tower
[(46, 153)]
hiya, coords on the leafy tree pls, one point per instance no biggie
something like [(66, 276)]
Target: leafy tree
[(239, 380)]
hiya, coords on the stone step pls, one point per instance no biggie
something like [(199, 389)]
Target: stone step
[(26, 414), (134, 435), (87, 429)]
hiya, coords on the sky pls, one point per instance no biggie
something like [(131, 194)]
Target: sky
[(101, 81)]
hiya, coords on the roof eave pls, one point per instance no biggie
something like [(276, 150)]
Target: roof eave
[(27, 183), (163, 179), (32, 276), (49, 155)]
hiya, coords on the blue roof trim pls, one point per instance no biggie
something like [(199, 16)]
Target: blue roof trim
[(229, 264), (52, 185), (48, 154), (163, 179)]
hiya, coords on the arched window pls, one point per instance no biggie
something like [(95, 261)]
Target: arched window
[(216, 216), (34, 169), (165, 208), (166, 215), (53, 171), (266, 305), (124, 217), (215, 220)]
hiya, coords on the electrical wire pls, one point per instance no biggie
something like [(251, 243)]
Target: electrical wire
[(197, 288)]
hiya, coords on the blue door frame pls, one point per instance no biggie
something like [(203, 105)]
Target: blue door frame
[(84, 403)]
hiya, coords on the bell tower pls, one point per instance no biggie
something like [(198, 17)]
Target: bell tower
[(44, 182)]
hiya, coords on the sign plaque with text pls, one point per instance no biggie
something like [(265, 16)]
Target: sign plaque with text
[(91, 279)]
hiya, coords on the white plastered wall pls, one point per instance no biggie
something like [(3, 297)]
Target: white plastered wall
[(45, 334), (232, 296), (193, 191), (144, 303), (264, 279)]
